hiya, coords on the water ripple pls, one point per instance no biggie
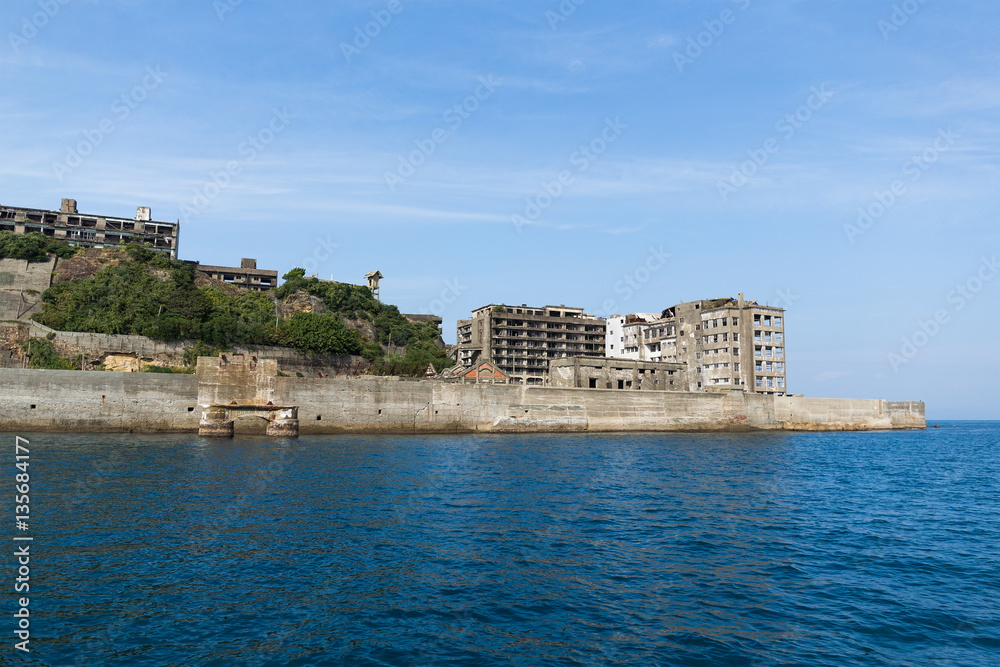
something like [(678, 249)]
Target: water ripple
[(751, 549)]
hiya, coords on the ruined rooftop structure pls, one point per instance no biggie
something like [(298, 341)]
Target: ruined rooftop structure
[(92, 231), (247, 275)]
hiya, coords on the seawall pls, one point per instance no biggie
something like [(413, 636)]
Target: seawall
[(76, 401)]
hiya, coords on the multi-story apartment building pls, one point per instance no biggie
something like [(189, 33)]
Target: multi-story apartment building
[(95, 231), (520, 340), (726, 343)]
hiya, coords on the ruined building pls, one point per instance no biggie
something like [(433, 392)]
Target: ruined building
[(521, 340), (247, 275), (92, 231), (725, 343)]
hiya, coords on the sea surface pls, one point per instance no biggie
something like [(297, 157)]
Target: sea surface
[(632, 549)]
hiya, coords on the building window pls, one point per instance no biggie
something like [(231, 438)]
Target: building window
[(736, 351), (760, 382), (767, 336), (779, 352), (777, 321), (759, 366), (778, 337), (769, 367), (756, 336), (781, 367), (736, 337), (767, 352), (736, 321), (724, 320), (781, 382), (767, 321), (757, 352), (736, 368), (756, 320), (770, 383)]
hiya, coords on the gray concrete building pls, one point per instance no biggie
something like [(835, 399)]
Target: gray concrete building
[(522, 340), (92, 231), (618, 374), (726, 343), (247, 275)]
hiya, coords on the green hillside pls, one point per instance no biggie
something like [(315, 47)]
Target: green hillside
[(143, 292)]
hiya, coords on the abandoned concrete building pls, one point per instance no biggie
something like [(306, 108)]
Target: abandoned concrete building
[(726, 343), (92, 231), (522, 340), (247, 275), (619, 374)]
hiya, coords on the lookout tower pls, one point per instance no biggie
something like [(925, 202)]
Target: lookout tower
[(373, 279)]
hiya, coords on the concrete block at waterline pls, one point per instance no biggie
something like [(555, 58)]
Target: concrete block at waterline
[(77, 401), (847, 414)]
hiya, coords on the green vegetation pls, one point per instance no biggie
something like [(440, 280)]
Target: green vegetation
[(33, 247), (149, 294), (42, 354), (356, 302)]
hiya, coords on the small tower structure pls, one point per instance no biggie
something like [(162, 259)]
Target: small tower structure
[(373, 279)]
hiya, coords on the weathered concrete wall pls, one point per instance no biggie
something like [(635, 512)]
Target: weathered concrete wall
[(99, 401), (97, 347), (236, 378), (21, 287), (77, 401), (846, 414)]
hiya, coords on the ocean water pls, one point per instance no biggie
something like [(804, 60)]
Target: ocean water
[(633, 549)]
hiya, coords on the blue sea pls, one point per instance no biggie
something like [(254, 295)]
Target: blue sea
[(627, 549)]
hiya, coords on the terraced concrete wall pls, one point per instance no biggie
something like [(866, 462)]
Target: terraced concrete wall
[(144, 402)]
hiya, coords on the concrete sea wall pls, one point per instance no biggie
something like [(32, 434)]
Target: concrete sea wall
[(76, 401)]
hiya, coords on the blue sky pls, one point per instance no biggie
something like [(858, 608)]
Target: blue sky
[(741, 138)]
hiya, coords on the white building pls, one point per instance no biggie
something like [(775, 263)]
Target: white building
[(625, 337)]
